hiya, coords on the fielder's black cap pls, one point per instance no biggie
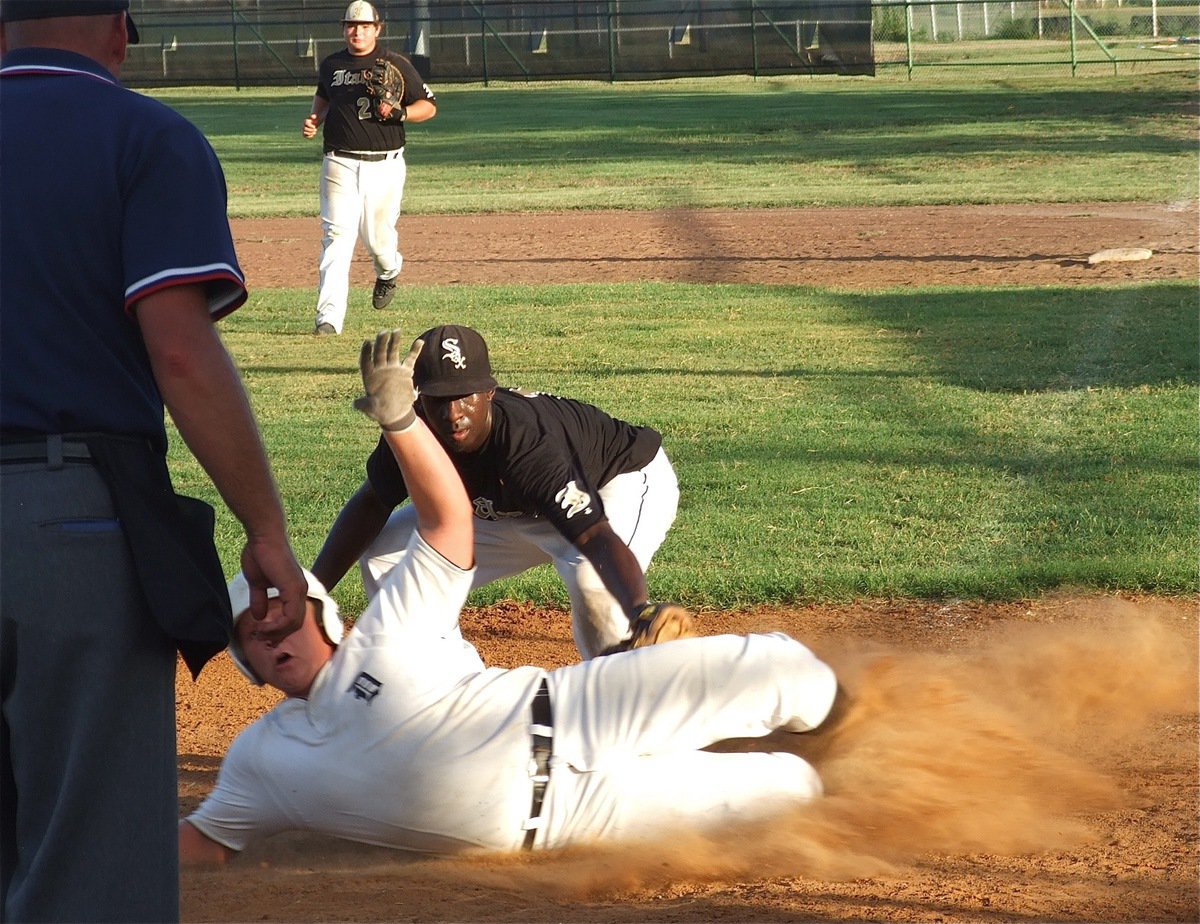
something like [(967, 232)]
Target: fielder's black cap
[(17, 10), (454, 362)]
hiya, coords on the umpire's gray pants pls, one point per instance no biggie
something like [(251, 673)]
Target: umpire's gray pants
[(89, 807)]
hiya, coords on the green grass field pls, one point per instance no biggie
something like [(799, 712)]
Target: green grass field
[(991, 443), (737, 142), (829, 444)]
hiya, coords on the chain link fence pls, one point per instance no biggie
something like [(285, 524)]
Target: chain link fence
[(1101, 36), (281, 42)]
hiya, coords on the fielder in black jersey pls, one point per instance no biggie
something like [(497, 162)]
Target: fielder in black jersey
[(551, 479), (363, 173)]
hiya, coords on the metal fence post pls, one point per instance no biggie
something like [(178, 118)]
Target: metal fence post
[(908, 30), (483, 40), (612, 54), (237, 75), (754, 36), (1074, 50)]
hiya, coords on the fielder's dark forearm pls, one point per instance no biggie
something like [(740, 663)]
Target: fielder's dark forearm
[(353, 531), (617, 566)]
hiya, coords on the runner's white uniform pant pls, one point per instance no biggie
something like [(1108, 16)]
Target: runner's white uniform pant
[(640, 507), (359, 198), (628, 728)]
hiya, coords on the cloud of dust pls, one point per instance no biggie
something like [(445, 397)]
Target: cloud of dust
[(1001, 747)]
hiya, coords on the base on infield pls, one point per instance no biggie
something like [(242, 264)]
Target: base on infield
[(1121, 255)]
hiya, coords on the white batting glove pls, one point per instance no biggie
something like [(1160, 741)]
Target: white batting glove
[(388, 381)]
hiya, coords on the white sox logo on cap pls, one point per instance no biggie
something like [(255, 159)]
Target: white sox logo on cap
[(453, 353), (455, 364)]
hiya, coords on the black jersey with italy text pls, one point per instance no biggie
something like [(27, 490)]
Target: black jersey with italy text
[(349, 125), (545, 456)]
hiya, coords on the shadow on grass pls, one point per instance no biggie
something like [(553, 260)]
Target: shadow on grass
[(867, 126), (1045, 339)]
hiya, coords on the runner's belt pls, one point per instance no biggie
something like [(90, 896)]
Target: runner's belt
[(542, 732)]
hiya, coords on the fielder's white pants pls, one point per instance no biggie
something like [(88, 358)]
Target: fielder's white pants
[(359, 198), (640, 507), (628, 731)]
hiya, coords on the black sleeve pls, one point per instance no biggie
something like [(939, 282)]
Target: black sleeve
[(323, 73), (383, 472)]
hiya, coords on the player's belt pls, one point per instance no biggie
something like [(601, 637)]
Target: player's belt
[(369, 156), (53, 449), (542, 731)]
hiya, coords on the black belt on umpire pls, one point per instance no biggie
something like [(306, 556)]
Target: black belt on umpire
[(369, 156), (54, 449), (542, 732)]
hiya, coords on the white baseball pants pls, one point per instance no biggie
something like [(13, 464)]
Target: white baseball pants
[(359, 198), (640, 507), (628, 730)]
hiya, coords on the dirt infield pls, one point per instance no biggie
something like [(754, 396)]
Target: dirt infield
[(1034, 760), (859, 248)]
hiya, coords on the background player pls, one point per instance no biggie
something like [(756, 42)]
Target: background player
[(398, 735), (102, 576), (363, 173), (551, 480)]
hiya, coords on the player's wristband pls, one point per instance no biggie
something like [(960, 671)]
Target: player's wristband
[(403, 423)]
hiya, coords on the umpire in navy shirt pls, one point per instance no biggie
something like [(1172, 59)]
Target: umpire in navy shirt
[(115, 261)]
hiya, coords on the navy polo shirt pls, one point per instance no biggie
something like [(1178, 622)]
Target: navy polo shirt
[(106, 196)]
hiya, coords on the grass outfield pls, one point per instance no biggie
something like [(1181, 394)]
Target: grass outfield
[(966, 442), (737, 142), (982, 443)]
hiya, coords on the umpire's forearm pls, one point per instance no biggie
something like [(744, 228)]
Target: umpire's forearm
[(203, 391)]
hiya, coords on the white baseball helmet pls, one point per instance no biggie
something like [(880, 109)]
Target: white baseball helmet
[(239, 600), (361, 11)]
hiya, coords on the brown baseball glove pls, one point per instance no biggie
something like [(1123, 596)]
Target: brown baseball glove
[(384, 83), (658, 623)]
